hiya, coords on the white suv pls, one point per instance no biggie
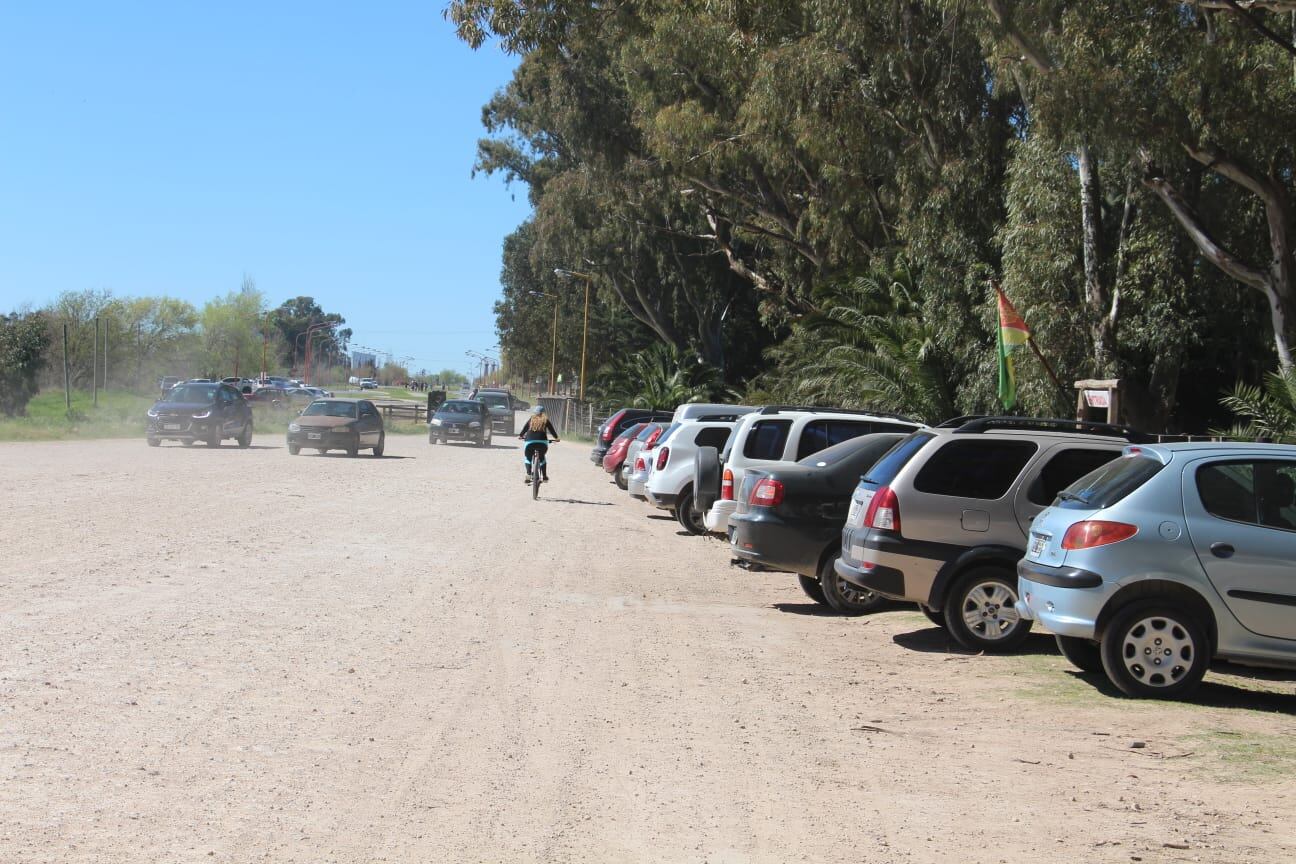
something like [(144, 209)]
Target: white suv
[(776, 434), (670, 476)]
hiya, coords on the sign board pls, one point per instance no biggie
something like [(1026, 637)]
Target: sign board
[(1097, 398)]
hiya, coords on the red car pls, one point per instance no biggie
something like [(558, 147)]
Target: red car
[(617, 452)]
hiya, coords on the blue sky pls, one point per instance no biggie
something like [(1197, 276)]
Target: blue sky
[(321, 148)]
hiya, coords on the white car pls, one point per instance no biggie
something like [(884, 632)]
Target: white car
[(669, 483), (780, 434)]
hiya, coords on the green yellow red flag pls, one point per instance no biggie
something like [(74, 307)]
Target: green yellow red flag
[(1013, 334)]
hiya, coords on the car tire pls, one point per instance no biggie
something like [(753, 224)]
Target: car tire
[(932, 615), (688, 516), (245, 437), (843, 597), (1142, 630), (706, 477), (432, 439), (622, 478), (979, 611), (381, 446), (294, 449), (154, 442), (353, 451), (812, 589), (1084, 654)]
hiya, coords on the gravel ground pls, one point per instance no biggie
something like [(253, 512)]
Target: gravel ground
[(244, 656)]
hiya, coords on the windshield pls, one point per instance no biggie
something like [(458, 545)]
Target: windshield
[(191, 393), (330, 409), (494, 400), (885, 469), (460, 407)]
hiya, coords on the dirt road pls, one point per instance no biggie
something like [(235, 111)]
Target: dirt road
[(245, 656)]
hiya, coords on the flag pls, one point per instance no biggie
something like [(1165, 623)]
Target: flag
[(1013, 334)]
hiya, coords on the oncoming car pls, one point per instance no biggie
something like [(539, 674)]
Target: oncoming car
[(461, 420), (200, 412), (338, 424)]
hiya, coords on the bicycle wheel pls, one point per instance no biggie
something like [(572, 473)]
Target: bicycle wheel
[(535, 474)]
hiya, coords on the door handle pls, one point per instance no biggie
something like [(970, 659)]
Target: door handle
[(1222, 550)]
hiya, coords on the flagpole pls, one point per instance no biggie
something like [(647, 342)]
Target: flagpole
[(1030, 340)]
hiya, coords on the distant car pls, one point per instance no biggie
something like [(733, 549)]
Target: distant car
[(640, 455), (301, 396), (367, 384), (338, 424), (206, 412), (461, 420), (500, 404), (1166, 559), (614, 459), (618, 422), (790, 518), (268, 397), (319, 392)]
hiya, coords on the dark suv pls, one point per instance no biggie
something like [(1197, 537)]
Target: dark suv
[(200, 412), (620, 422), (941, 520)]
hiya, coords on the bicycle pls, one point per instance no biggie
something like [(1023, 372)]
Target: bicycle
[(537, 461)]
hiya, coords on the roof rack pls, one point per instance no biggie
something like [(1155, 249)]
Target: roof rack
[(1083, 427), (819, 409), (714, 418), (955, 422)]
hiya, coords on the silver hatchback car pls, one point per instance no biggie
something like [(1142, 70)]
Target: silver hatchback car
[(1167, 558)]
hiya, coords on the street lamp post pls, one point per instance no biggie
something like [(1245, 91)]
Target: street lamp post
[(573, 274), (309, 332)]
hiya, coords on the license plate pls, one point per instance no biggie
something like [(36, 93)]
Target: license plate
[(1038, 542), (314, 436), (171, 426), (456, 431)]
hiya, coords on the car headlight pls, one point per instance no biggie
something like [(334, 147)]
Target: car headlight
[(436, 421), (202, 415), (474, 425), (294, 427), (152, 412)]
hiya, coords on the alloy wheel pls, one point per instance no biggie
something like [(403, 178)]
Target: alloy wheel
[(989, 610)]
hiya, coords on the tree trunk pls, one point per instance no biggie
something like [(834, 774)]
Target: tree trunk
[(1096, 294)]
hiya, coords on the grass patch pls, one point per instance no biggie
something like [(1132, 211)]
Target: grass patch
[(119, 414), (1246, 755)]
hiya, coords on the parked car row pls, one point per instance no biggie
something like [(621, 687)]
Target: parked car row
[(1147, 562)]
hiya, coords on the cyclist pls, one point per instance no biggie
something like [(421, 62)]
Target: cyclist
[(536, 432)]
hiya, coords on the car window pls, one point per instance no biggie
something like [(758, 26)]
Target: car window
[(872, 447), (886, 468), (767, 439), (984, 468), (1064, 468), (821, 434), (713, 436), (1257, 493)]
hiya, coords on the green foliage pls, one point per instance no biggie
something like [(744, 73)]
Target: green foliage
[(119, 414), (660, 377), (23, 342), (1267, 411)]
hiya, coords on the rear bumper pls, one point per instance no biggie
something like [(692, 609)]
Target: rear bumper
[(889, 566), (597, 454), (1065, 600), (716, 519), (774, 544), (660, 500)]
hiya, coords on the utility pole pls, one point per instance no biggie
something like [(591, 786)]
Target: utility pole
[(553, 364), (67, 376), (94, 366), (105, 354)]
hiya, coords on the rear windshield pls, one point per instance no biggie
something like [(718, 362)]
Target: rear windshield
[(631, 431), (820, 434), (886, 468), (766, 439), (646, 431), (1108, 484), (983, 468)]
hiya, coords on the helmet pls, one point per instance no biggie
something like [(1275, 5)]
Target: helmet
[(538, 410)]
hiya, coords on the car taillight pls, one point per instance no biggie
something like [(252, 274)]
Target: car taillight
[(767, 493), (1096, 532), (726, 486), (652, 438), (884, 511), (662, 457), (640, 465)]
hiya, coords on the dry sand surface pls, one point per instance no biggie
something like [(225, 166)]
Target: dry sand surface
[(244, 656)]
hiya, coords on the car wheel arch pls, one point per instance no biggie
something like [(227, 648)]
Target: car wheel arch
[(1005, 557), (1153, 588)]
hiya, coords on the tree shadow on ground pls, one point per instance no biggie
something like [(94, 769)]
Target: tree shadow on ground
[(937, 640)]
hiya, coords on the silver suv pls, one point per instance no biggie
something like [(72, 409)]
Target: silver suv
[(1173, 555), (941, 519)]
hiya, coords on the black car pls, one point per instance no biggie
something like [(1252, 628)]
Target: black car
[(461, 420), (790, 519), (620, 422), (200, 412)]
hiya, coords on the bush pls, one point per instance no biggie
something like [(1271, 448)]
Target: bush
[(23, 341)]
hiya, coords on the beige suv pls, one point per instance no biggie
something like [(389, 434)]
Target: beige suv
[(942, 518)]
